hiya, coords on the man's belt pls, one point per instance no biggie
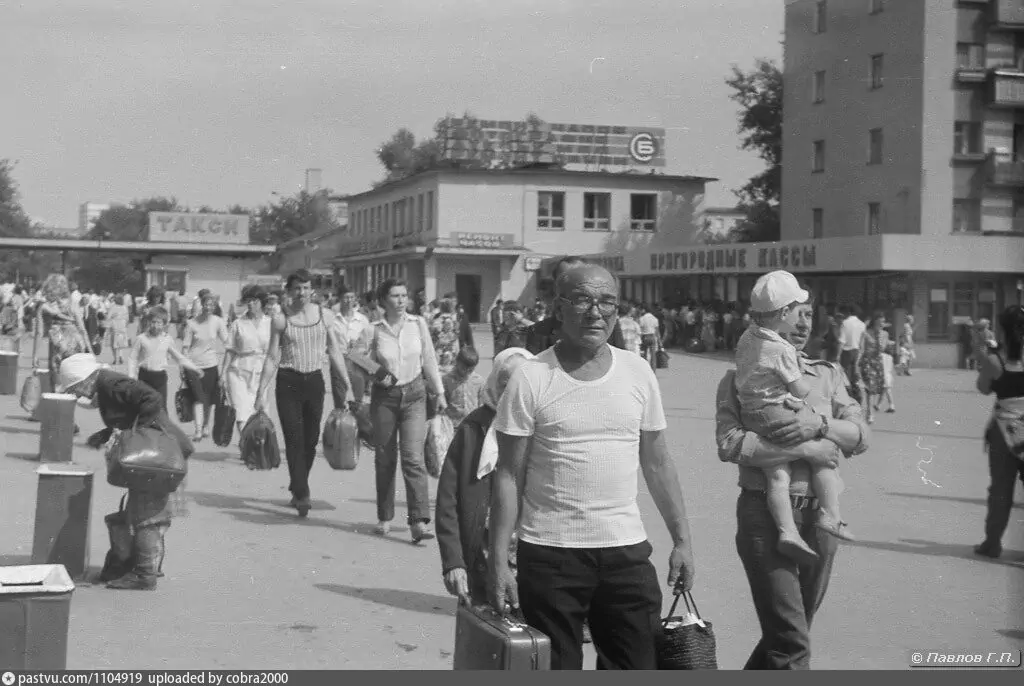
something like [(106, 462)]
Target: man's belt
[(799, 502)]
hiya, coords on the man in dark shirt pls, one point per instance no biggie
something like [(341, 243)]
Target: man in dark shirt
[(546, 333)]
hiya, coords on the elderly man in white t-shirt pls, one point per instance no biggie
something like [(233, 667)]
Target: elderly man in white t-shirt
[(574, 427)]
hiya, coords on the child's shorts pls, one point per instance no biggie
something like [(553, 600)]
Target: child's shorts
[(766, 419)]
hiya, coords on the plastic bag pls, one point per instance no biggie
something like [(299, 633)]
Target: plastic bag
[(31, 393), (258, 443), (440, 432), (341, 440)]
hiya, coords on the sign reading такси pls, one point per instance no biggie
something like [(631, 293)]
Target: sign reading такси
[(190, 227)]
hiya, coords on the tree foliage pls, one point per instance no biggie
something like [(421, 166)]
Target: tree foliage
[(21, 265), (758, 92), (291, 217)]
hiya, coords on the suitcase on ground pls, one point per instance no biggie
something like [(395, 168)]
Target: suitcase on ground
[(485, 640), (341, 440)]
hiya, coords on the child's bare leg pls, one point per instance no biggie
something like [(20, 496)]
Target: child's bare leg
[(827, 489), (791, 544)]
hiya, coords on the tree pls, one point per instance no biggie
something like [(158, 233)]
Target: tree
[(759, 95), (292, 217), (20, 265)]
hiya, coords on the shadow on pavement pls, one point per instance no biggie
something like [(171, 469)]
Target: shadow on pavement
[(234, 502), (1015, 634), (19, 430), (22, 418), (1011, 558), (14, 560), (373, 501), (951, 498), (413, 601), (212, 457)]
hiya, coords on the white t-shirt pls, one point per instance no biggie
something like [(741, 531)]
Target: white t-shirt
[(582, 468), (648, 324), (850, 332)]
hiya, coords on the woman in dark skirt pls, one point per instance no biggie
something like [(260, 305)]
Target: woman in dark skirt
[(201, 336)]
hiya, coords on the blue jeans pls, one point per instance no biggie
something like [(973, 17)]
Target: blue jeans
[(786, 595), (400, 427)]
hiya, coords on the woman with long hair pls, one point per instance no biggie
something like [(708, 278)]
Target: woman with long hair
[(200, 345), (249, 339), (871, 365), (1001, 371), (60, 320), (400, 342)]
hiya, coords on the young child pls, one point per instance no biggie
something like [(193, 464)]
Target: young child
[(464, 490), (463, 386), (148, 359), (769, 383), (124, 403)]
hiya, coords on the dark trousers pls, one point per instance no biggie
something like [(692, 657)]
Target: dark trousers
[(300, 407), (1004, 469), (358, 378), (614, 590), (848, 360), (400, 429), (155, 380), (786, 595)]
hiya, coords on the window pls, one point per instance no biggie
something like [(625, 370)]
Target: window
[(938, 310), (410, 215), (597, 211), (820, 16), (430, 211), (818, 157), (818, 91), (387, 218), (817, 222), (877, 63), (643, 211), (967, 138), (875, 141), (550, 210), (963, 299), (970, 56), (875, 6), (419, 213), (987, 300), (874, 218), (966, 215)]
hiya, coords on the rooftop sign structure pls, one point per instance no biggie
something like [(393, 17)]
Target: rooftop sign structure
[(191, 227), (497, 143)]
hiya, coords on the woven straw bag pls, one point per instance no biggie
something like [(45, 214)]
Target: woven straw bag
[(686, 646)]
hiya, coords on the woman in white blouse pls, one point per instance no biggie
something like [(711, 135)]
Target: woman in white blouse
[(248, 340), (400, 343)]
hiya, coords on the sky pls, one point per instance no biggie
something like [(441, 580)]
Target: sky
[(219, 102)]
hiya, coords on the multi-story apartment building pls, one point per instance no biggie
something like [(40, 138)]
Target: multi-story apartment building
[(88, 213), (486, 234), (904, 156)]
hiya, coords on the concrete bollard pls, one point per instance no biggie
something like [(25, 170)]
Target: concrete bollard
[(46, 386), (9, 373), (57, 433), (63, 507)]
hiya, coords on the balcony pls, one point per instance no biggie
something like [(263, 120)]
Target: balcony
[(1004, 169), (1006, 88), (970, 63), (1008, 14)]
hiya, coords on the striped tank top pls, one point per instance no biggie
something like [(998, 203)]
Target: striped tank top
[(303, 347)]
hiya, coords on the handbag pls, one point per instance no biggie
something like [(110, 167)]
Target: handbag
[(1008, 415), (257, 443), (146, 458), (185, 403), (223, 421), (31, 393), (686, 642), (661, 359)]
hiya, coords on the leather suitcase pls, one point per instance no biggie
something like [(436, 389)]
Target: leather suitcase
[(341, 440), (485, 640)]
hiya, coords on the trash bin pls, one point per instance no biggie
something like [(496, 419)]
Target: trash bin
[(35, 603), (57, 433), (8, 373), (63, 507)]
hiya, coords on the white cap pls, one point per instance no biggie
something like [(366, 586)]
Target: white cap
[(76, 369), (775, 290)]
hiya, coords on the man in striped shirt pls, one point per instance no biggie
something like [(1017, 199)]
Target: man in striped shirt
[(574, 426)]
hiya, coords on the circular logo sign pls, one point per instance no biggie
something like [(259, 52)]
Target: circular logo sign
[(643, 147)]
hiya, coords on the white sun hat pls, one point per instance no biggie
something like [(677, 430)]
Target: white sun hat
[(775, 290), (76, 369)]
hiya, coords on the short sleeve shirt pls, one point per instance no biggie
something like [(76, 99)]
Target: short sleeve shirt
[(765, 363), (584, 460)]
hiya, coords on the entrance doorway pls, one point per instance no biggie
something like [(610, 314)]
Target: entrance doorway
[(467, 287)]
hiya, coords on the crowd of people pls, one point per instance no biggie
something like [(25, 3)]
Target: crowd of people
[(526, 520)]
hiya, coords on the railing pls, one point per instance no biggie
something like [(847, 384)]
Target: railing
[(1005, 169), (1007, 89)]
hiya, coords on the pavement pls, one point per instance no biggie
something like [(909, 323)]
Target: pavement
[(249, 585)]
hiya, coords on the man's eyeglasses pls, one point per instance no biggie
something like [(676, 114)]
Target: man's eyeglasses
[(583, 303)]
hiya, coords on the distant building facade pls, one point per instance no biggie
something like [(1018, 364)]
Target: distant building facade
[(88, 213)]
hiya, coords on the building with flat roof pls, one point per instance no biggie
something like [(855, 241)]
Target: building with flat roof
[(88, 213), (486, 233), (903, 129)]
